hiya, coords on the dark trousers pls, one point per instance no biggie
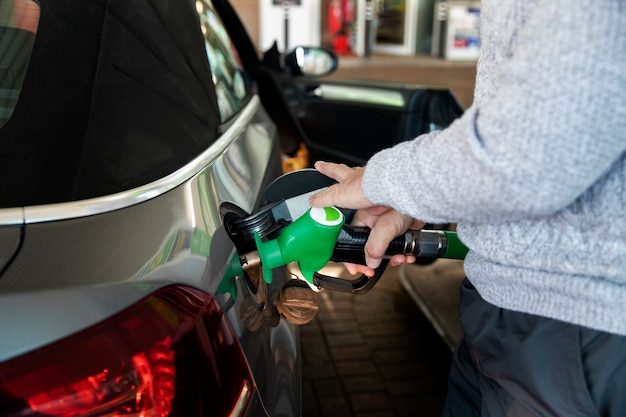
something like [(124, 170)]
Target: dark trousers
[(516, 364)]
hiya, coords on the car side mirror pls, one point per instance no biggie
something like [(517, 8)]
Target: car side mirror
[(311, 61)]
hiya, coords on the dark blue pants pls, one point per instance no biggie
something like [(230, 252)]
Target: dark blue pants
[(516, 364)]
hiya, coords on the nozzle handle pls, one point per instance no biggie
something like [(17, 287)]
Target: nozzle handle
[(350, 244)]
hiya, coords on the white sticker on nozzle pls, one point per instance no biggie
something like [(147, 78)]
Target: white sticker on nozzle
[(328, 216)]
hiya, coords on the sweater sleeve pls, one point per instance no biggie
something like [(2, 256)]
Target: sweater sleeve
[(552, 122)]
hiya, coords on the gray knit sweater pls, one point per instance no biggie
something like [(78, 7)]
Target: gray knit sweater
[(534, 172)]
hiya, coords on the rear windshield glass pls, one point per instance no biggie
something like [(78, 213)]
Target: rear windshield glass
[(18, 26), (118, 93)]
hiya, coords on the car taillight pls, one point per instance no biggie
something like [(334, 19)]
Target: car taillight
[(171, 354)]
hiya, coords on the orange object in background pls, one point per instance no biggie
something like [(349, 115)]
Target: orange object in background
[(299, 161)]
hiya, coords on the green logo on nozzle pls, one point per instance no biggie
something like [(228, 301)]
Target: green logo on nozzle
[(327, 216)]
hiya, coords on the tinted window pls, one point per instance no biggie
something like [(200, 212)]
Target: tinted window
[(118, 94), (18, 24), (228, 75)]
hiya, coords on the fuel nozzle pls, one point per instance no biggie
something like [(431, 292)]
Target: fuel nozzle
[(309, 241), (320, 235)]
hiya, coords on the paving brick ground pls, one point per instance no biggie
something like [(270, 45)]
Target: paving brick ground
[(372, 355)]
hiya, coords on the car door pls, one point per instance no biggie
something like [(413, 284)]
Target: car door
[(348, 121)]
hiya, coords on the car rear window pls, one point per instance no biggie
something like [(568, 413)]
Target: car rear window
[(18, 25), (117, 94)]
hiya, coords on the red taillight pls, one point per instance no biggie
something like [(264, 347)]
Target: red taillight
[(171, 354)]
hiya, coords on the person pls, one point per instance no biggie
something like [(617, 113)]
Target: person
[(534, 176)]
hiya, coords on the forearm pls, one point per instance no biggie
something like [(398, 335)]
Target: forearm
[(551, 105)]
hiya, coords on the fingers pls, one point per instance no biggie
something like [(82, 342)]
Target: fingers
[(389, 225), (338, 172), (369, 216), (355, 269), (397, 260), (348, 193)]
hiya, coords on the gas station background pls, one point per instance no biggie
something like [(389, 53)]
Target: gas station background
[(447, 29)]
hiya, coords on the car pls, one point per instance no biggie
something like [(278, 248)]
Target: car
[(126, 128)]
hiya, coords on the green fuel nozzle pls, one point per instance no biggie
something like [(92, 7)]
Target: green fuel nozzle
[(321, 235), (309, 241)]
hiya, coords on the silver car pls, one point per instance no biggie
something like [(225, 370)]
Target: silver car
[(124, 126)]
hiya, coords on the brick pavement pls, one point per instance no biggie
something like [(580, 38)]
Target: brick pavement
[(372, 355)]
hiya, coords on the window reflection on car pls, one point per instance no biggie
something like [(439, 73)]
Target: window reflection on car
[(230, 84)]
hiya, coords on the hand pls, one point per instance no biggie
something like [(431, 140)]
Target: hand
[(385, 223), (348, 193)]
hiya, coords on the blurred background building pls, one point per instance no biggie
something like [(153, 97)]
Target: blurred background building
[(447, 29)]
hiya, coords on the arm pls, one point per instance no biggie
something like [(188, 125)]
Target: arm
[(554, 125)]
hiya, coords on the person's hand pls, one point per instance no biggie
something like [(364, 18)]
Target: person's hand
[(385, 223), (348, 193)]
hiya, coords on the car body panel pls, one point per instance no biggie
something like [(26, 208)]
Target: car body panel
[(10, 238), (87, 267), (128, 243)]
